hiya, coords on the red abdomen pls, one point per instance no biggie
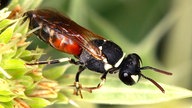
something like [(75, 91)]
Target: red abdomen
[(65, 45), (54, 31)]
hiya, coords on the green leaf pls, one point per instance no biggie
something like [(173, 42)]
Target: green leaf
[(62, 99), (1, 106), (21, 50), (115, 92), (4, 23), (38, 102), (55, 72), (8, 46), (5, 73), (27, 81), (15, 67), (4, 85), (26, 55), (30, 55), (23, 27), (6, 35), (9, 53), (6, 105), (5, 92), (5, 98)]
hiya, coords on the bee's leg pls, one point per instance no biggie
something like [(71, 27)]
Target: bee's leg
[(55, 61), (77, 85)]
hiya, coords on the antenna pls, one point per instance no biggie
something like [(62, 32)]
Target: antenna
[(156, 70), (153, 81)]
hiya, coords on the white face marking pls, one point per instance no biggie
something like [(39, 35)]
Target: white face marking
[(107, 66), (120, 60), (135, 77)]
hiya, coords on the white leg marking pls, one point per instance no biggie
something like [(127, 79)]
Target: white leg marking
[(107, 66), (100, 47), (105, 60), (64, 59)]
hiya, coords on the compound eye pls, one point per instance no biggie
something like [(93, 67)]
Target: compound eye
[(127, 78)]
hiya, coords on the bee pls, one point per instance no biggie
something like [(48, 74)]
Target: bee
[(92, 51)]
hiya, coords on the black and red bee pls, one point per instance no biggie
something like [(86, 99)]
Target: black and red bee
[(92, 51)]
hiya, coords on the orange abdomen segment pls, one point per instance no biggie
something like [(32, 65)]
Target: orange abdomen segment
[(65, 45)]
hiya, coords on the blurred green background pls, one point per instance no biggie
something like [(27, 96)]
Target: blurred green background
[(160, 31)]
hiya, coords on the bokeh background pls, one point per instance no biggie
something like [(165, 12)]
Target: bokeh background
[(160, 31)]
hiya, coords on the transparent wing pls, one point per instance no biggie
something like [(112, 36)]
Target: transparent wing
[(63, 25)]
